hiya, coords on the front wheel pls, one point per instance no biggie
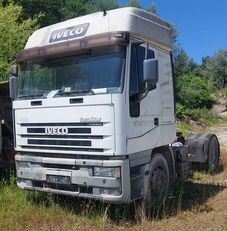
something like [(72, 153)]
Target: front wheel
[(159, 181)]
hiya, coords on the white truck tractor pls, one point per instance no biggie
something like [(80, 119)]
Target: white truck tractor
[(94, 110)]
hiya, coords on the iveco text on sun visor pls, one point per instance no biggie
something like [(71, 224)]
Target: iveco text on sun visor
[(69, 33)]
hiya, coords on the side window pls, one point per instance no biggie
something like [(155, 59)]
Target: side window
[(136, 76), (136, 86)]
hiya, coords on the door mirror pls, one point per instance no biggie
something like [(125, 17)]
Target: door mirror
[(12, 87), (13, 70), (150, 71)]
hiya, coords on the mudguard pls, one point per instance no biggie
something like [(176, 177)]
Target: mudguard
[(198, 146)]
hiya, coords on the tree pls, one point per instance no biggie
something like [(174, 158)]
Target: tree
[(13, 35), (105, 5), (152, 8), (48, 11), (192, 92), (75, 8), (216, 68), (181, 60), (134, 3), (53, 11), (174, 34)]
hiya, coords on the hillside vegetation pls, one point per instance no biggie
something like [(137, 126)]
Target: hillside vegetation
[(195, 83)]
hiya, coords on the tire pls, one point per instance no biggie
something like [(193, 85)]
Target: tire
[(159, 182), (213, 153)]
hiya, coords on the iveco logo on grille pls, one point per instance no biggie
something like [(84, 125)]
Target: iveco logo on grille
[(56, 131)]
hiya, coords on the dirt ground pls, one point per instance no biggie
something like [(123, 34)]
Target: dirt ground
[(221, 132)]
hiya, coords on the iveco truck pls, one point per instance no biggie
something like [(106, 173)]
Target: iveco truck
[(94, 110)]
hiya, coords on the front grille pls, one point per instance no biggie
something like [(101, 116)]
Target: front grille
[(70, 130), (60, 142), (74, 137), (63, 136)]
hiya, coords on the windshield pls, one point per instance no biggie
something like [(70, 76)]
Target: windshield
[(97, 71)]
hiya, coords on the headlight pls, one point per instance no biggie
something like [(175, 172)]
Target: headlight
[(107, 172)]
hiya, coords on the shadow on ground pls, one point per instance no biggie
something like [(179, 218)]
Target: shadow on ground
[(186, 196)]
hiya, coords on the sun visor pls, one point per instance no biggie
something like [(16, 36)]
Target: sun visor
[(72, 46)]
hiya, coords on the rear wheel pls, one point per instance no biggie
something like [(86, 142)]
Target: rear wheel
[(213, 153)]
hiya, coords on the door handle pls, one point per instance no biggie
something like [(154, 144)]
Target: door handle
[(156, 121)]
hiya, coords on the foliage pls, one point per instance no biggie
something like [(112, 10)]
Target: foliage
[(13, 35), (202, 115), (192, 92), (105, 5), (174, 34), (18, 18), (134, 3), (183, 65), (152, 8), (71, 9), (180, 111), (216, 68), (53, 11), (180, 59)]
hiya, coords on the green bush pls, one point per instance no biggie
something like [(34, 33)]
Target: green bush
[(192, 92), (180, 111), (197, 114)]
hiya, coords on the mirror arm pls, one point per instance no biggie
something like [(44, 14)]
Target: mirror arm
[(142, 96)]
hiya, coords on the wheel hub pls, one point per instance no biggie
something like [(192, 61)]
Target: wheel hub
[(158, 180)]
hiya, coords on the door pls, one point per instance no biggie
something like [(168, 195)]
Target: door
[(143, 119)]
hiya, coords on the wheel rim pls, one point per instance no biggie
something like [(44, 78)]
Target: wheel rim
[(159, 180)]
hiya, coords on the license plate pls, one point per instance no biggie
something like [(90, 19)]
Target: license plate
[(58, 179)]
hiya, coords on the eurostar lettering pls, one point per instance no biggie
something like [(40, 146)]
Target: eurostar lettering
[(69, 33), (56, 131)]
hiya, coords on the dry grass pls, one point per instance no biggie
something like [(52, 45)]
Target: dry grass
[(200, 204)]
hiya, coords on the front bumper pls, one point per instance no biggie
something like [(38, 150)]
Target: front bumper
[(33, 176)]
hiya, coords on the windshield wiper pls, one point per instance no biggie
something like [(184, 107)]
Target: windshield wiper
[(31, 96), (75, 92)]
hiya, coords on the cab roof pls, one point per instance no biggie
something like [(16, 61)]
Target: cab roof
[(139, 23)]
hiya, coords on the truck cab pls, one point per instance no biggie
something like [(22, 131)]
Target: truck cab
[(94, 105)]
